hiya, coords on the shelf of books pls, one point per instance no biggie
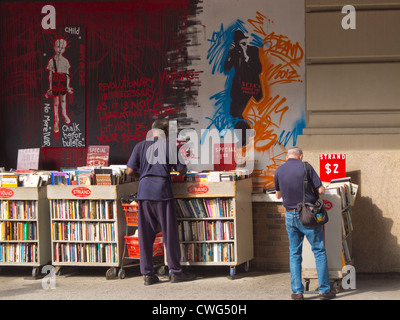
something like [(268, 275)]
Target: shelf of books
[(24, 227), (215, 223), (338, 199), (88, 224)]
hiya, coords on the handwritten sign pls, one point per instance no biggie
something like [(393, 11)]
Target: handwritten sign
[(28, 159), (122, 107)]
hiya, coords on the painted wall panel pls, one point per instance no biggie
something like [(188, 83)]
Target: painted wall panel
[(155, 59), (376, 34), (364, 86), (276, 113)]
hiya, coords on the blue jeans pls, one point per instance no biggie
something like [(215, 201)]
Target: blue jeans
[(315, 235)]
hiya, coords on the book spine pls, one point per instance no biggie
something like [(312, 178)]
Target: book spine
[(18, 252), (86, 253), (207, 252), (83, 231)]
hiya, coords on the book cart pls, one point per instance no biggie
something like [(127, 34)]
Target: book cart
[(87, 224), (338, 200), (215, 223), (24, 227)]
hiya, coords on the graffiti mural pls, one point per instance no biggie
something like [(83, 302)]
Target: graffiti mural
[(260, 69), (224, 71)]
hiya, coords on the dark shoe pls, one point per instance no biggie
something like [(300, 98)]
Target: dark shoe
[(150, 279), (327, 295), (181, 277), (297, 296)]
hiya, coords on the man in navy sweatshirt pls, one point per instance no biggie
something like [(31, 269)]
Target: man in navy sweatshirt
[(289, 186), (152, 161)]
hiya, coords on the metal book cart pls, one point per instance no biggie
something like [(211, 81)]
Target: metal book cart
[(87, 225), (338, 234), (131, 243), (24, 228), (204, 209)]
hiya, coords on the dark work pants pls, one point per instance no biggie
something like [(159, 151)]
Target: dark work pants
[(151, 214)]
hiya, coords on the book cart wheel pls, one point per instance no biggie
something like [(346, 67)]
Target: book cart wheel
[(307, 284), (246, 266), (232, 272), (336, 286), (162, 270), (35, 272), (57, 271), (111, 273), (121, 274)]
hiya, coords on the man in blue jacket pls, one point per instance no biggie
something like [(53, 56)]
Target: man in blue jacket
[(289, 186), (152, 161)]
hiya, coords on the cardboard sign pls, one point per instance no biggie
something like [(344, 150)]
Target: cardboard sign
[(224, 156), (28, 159), (98, 156), (332, 166)]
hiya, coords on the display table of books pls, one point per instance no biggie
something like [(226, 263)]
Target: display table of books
[(24, 227), (88, 225), (215, 223)]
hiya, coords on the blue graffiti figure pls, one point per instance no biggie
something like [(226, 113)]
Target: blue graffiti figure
[(231, 55)]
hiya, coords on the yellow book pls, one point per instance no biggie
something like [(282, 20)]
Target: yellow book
[(92, 210), (212, 207), (9, 181)]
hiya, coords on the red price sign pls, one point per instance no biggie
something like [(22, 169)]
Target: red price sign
[(332, 166)]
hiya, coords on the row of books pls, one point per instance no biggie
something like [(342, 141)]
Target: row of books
[(18, 252), (206, 230), (82, 209), (17, 209), (19, 231), (25, 178), (87, 175), (80, 252), (205, 207), (83, 231), (112, 175), (207, 252), (211, 176)]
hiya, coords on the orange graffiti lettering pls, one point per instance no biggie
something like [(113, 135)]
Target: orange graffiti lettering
[(266, 116), (259, 22)]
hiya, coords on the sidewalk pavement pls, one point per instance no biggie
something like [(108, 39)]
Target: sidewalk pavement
[(213, 283)]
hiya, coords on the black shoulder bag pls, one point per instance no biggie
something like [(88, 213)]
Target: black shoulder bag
[(311, 215)]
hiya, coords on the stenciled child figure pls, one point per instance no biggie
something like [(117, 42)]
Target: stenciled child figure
[(59, 82)]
